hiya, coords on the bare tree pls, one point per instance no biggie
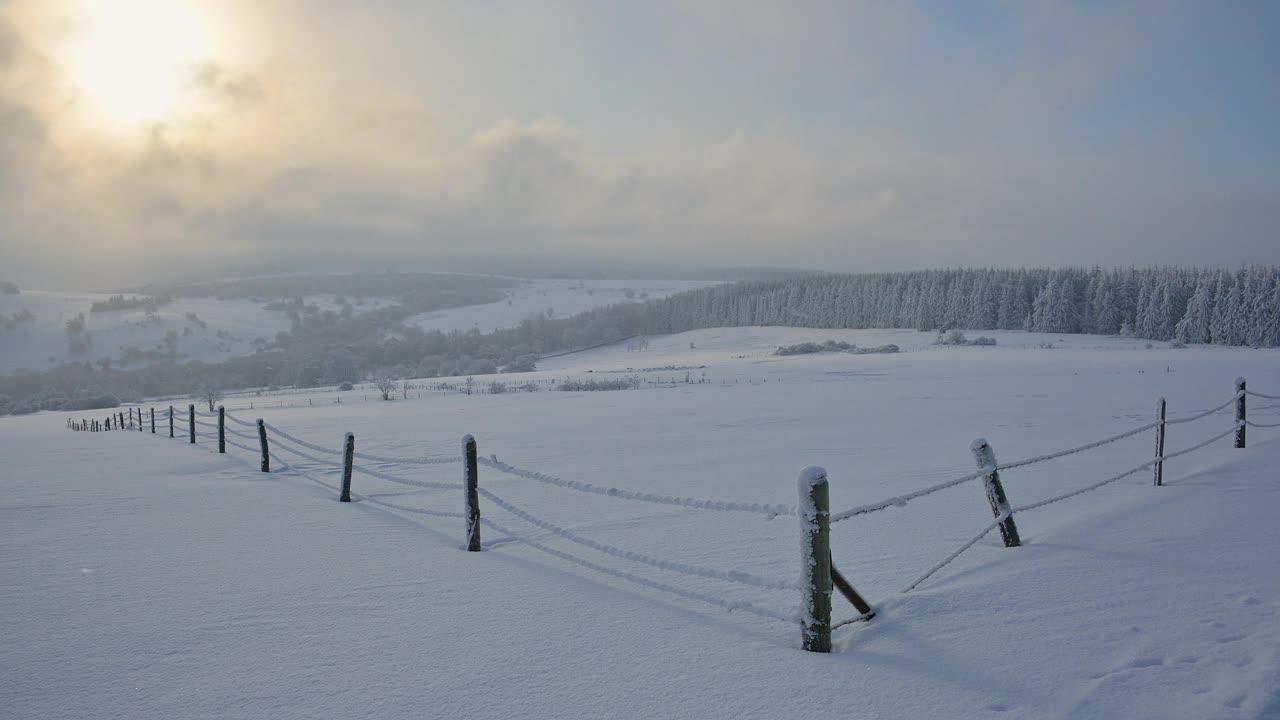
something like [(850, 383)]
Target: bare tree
[(211, 391), (385, 384)]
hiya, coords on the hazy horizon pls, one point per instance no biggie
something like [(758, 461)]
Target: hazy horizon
[(144, 140)]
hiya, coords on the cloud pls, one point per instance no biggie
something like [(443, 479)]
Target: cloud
[(830, 135)]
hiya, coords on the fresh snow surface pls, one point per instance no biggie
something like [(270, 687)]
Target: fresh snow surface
[(562, 297), (146, 578)]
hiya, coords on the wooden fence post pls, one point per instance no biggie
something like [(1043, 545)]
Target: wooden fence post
[(1240, 413), (153, 421), (140, 420), (986, 457), (472, 470), (348, 458), (191, 423), (262, 442), (1160, 408), (170, 421), (121, 425), (815, 545), (222, 429)]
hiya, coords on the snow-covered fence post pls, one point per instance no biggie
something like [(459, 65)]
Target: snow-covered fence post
[(120, 426), (1160, 408), (191, 423), (985, 456), (170, 421), (1240, 412), (222, 429), (262, 442), (348, 458), (815, 560), (139, 419), (472, 473), (153, 421)]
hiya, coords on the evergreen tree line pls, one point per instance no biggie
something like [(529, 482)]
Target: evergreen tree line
[(1184, 304)]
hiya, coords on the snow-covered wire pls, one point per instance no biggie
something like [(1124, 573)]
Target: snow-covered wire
[(1206, 413), (729, 605), (1125, 474), (673, 566), (1081, 448), (299, 441), (202, 423), (902, 500), (406, 508), (1058, 498), (406, 481), (232, 431), (956, 554), (1260, 395), (245, 448), (443, 460), (1087, 488), (1197, 446), (201, 413), (299, 453), (1252, 423), (698, 503), (238, 421)]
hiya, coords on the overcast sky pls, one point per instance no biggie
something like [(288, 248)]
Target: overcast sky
[(139, 138)]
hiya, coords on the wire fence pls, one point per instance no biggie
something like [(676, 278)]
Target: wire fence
[(306, 459)]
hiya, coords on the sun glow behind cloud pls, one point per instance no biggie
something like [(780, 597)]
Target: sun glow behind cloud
[(130, 60)]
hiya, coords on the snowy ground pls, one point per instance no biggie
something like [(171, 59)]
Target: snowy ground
[(562, 297), (143, 577)]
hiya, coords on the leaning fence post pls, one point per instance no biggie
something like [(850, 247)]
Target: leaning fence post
[(1240, 413), (170, 421), (140, 420), (815, 548), (222, 429), (191, 423), (472, 473), (1160, 443), (986, 458), (262, 442), (121, 425), (153, 421), (348, 458)]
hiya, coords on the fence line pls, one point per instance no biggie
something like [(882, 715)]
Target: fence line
[(701, 504), (646, 582), (694, 570), (287, 442)]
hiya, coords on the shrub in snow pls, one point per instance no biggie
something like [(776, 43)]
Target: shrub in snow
[(524, 363), (879, 349), (1177, 345), (91, 403), (807, 348), (481, 367), (628, 383), (345, 386), (983, 340), (497, 388)]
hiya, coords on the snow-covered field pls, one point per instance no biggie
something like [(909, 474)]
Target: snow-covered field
[(562, 297), (43, 343), (143, 577)]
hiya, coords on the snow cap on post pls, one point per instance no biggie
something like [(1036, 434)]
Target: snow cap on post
[(811, 476)]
